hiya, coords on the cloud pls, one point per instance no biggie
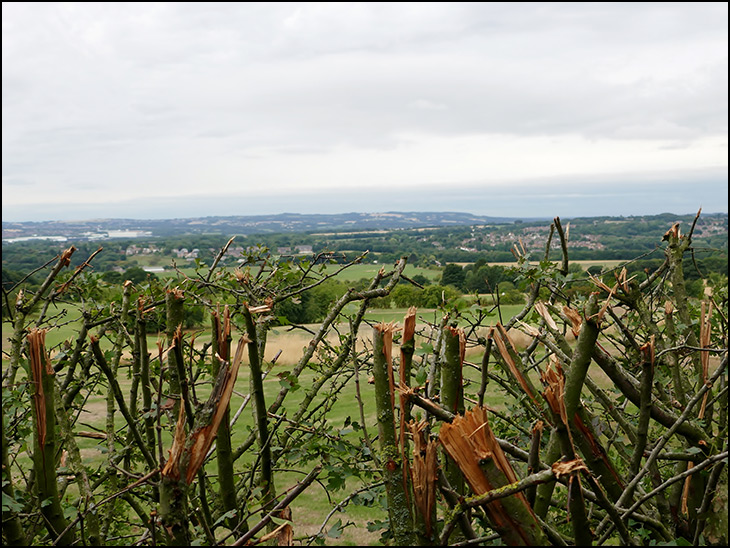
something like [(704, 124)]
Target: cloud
[(124, 98)]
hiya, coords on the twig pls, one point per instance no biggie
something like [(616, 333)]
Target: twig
[(629, 490), (294, 493), (110, 498), (340, 505), (218, 257)]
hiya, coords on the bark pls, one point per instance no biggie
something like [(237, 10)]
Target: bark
[(629, 388), (136, 374), (452, 391), (189, 451), (224, 452), (661, 442), (453, 501), (452, 388), (563, 245), (713, 483), (350, 296), (573, 385), (407, 349), (293, 493), (266, 479), (470, 442), (578, 369), (556, 396), (399, 510), (485, 368), (595, 455), (174, 492), (45, 439), (111, 433), (642, 429), (542, 497), (516, 369), (119, 397), (678, 244), (424, 478), (174, 300), (69, 390), (24, 307), (13, 533), (144, 377), (675, 364), (76, 465), (533, 461), (434, 372)]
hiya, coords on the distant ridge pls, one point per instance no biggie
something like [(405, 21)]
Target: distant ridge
[(254, 224)]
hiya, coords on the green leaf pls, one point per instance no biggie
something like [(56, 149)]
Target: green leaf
[(377, 525), (281, 521), (10, 504), (228, 515), (425, 348), (336, 530), (70, 512), (336, 480)]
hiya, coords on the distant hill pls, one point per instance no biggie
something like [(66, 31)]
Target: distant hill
[(429, 239), (248, 224)]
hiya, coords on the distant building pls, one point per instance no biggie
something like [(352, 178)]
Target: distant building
[(183, 253), (127, 233), (28, 238)]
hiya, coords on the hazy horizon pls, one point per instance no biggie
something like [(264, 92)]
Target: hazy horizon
[(576, 199)]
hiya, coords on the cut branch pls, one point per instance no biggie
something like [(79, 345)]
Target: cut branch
[(470, 442)]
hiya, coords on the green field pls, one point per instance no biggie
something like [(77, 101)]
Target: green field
[(352, 273), (368, 271)]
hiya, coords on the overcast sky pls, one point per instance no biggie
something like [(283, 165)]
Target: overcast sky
[(174, 110)]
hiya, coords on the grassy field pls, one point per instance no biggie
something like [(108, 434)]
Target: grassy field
[(351, 274), (368, 271)]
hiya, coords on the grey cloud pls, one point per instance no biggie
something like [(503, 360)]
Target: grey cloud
[(114, 82), (523, 82)]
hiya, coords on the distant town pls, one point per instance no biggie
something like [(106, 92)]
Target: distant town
[(102, 229), (429, 239)]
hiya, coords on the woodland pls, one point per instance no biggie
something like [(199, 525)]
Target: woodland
[(592, 410)]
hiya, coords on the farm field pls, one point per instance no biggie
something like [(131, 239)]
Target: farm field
[(586, 264), (351, 274), (368, 271), (290, 340)]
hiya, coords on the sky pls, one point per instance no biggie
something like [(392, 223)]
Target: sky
[(165, 110)]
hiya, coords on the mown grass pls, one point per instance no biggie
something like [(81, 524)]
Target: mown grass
[(369, 270), (352, 273)]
